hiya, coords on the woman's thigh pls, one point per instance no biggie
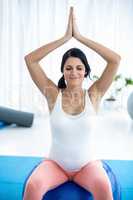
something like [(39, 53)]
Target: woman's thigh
[(93, 176), (48, 175)]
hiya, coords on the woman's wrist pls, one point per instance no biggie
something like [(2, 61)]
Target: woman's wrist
[(66, 38)]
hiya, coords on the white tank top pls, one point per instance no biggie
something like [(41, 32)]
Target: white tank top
[(71, 135)]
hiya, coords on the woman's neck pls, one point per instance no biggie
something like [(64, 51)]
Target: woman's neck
[(76, 92), (74, 89), (74, 97)]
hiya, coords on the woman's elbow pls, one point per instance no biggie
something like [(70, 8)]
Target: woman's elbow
[(28, 60), (116, 60)]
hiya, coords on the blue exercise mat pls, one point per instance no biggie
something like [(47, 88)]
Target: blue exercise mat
[(14, 171)]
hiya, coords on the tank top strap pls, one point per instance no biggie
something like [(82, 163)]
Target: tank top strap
[(57, 104), (89, 105), (60, 99)]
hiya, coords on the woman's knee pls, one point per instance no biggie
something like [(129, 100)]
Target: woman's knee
[(33, 191), (45, 177), (34, 185), (30, 186), (102, 189), (102, 184)]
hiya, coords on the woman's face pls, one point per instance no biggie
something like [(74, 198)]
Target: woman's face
[(74, 71)]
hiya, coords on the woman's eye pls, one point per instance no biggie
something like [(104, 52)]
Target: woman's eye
[(68, 68), (79, 68)]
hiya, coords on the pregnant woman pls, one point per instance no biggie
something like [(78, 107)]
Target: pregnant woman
[(72, 110)]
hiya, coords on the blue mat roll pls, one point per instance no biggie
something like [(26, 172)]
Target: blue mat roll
[(20, 118)]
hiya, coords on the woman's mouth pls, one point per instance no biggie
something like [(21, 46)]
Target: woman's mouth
[(73, 77)]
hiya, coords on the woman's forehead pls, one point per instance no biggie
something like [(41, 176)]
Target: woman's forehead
[(73, 61)]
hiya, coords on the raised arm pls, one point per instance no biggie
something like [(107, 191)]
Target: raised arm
[(112, 59), (38, 75)]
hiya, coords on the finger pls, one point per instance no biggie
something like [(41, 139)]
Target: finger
[(70, 15), (74, 17), (71, 9)]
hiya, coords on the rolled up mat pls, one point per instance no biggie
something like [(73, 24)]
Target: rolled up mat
[(20, 118)]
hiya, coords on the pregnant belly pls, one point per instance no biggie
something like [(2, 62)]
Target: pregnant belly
[(70, 159)]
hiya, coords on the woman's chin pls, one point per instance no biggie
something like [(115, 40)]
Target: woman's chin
[(75, 84)]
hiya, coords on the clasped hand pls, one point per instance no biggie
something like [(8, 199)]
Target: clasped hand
[(72, 29)]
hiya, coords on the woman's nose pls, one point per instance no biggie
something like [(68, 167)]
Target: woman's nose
[(73, 71)]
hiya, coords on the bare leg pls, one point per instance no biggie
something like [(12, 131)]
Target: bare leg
[(93, 178), (46, 176)]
